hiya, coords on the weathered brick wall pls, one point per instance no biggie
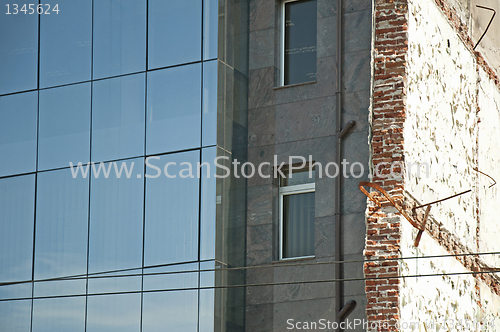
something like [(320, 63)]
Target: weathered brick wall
[(388, 116)]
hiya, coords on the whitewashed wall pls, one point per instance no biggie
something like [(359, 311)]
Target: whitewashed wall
[(444, 129)]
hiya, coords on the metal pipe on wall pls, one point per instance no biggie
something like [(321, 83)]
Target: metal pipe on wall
[(338, 154)]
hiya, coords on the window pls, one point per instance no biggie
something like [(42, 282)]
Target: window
[(296, 200), (298, 61)]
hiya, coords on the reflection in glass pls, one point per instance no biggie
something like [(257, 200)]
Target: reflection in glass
[(209, 103), (173, 311), (61, 225), (172, 206), (298, 225), (66, 43), (208, 205), (64, 126), (19, 51), (108, 313), (174, 32), (59, 288), (17, 210), (116, 208), (118, 106), (171, 280), (300, 42), (119, 37), (15, 316), (174, 109), (59, 314), (210, 27), (113, 284), (207, 310), (18, 125)]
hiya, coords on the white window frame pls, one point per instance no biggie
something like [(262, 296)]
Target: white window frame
[(286, 191)]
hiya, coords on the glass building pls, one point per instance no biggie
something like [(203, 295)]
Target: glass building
[(128, 85)]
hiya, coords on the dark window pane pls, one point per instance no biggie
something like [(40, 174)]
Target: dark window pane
[(17, 212), (15, 316), (174, 109), (298, 177), (59, 314), (61, 225), (19, 51), (300, 42), (109, 313), (116, 208), (172, 211), (65, 43), (170, 311), (174, 33), (298, 225), (18, 122), (210, 26), (64, 126), (119, 37), (118, 115)]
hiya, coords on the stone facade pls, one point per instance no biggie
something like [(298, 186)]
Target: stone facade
[(300, 121)]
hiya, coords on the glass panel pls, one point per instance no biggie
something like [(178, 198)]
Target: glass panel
[(60, 288), (113, 283), (18, 126), (173, 311), (174, 32), (118, 115), (15, 316), (64, 126), (210, 103), (210, 26), (207, 310), (19, 52), (298, 225), (171, 280), (66, 43), (59, 314), (300, 42), (61, 225), (109, 313), (116, 209), (174, 109), (17, 211), (298, 177), (208, 204), (172, 207), (119, 37)]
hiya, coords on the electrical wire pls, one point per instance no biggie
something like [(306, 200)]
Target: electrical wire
[(100, 275), (284, 283)]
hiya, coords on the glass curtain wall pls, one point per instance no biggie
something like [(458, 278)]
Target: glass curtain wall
[(103, 104)]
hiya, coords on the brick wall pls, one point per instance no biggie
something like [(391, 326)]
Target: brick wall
[(388, 116)]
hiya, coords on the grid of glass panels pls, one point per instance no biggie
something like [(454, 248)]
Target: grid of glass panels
[(130, 85)]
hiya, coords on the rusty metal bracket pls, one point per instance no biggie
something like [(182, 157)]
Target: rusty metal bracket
[(421, 231), (489, 24), (389, 198), (421, 228)]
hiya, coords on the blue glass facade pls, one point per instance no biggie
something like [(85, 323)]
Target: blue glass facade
[(128, 85)]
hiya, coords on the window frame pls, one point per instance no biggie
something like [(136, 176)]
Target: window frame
[(282, 45), (287, 191)]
